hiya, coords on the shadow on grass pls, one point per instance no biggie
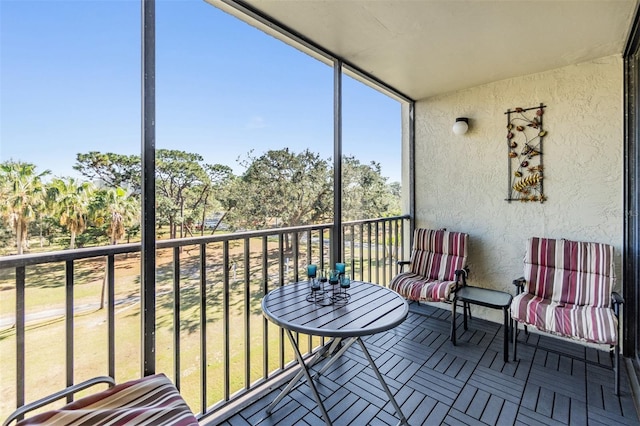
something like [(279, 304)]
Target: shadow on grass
[(190, 292), (246, 280), (10, 332), (53, 275)]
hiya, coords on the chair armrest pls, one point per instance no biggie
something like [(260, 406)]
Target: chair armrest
[(461, 275), (402, 263), (519, 283), (616, 301), (58, 395), (461, 278)]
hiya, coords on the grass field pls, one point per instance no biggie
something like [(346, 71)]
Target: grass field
[(45, 331), (45, 335)]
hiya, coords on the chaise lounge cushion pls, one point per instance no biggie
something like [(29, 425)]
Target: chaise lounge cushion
[(435, 257), (151, 400), (569, 286)]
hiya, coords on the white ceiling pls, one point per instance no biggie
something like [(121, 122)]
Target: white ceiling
[(427, 47)]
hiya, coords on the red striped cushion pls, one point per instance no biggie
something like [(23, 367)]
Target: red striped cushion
[(151, 400), (416, 287), (438, 254), (587, 323), (435, 257), (570, 272)]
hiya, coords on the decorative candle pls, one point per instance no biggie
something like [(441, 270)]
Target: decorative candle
[(340, 267), (311, 271)]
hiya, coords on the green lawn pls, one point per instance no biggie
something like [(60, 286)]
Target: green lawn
[(45, 336)]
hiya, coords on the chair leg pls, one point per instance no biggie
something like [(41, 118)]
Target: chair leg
[(616, 368), (616, 361), (505, 312), (453, 322), (514, 332), (465, 309)]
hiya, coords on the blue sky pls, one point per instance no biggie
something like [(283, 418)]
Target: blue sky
[(70, 83)]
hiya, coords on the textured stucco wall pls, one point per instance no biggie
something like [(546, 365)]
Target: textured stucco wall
[(461, 181)]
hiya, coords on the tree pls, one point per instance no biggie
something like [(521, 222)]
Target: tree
[(365, 192), (117, 210), (184, 184), (180, 178), (112, 170), (395, 197), (218, 178), (70, 199), (23, 195), (283, 188)]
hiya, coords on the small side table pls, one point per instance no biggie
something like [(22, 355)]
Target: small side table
[(494, 299)]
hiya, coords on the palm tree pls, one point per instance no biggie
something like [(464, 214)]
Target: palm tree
[(70, 199), (123, 211), (118, 209), (23, 195)]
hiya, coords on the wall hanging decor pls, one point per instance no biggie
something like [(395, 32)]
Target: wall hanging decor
[(524, 144)]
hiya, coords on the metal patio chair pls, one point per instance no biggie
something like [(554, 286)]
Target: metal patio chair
[(566, 290), (151, 400), (437, 266)]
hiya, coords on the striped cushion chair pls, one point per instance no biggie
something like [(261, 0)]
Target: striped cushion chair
[(151, 400), (567, 290), (438, 259)]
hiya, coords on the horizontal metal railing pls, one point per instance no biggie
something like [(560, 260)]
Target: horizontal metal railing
[(227, 275)]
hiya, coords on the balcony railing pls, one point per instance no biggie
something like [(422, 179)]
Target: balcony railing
[(210, 337)]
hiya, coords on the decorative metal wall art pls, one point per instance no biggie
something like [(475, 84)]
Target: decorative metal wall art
[(524, 143)]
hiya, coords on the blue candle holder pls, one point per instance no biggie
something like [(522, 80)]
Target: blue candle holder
[(334, 276), (343, 296), (312, 270), (345, 281), (341, 267), (316, 281)]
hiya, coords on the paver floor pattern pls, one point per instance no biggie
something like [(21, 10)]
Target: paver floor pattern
[(553, 382)]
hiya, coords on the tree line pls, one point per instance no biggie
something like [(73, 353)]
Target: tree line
[(278, 188)]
